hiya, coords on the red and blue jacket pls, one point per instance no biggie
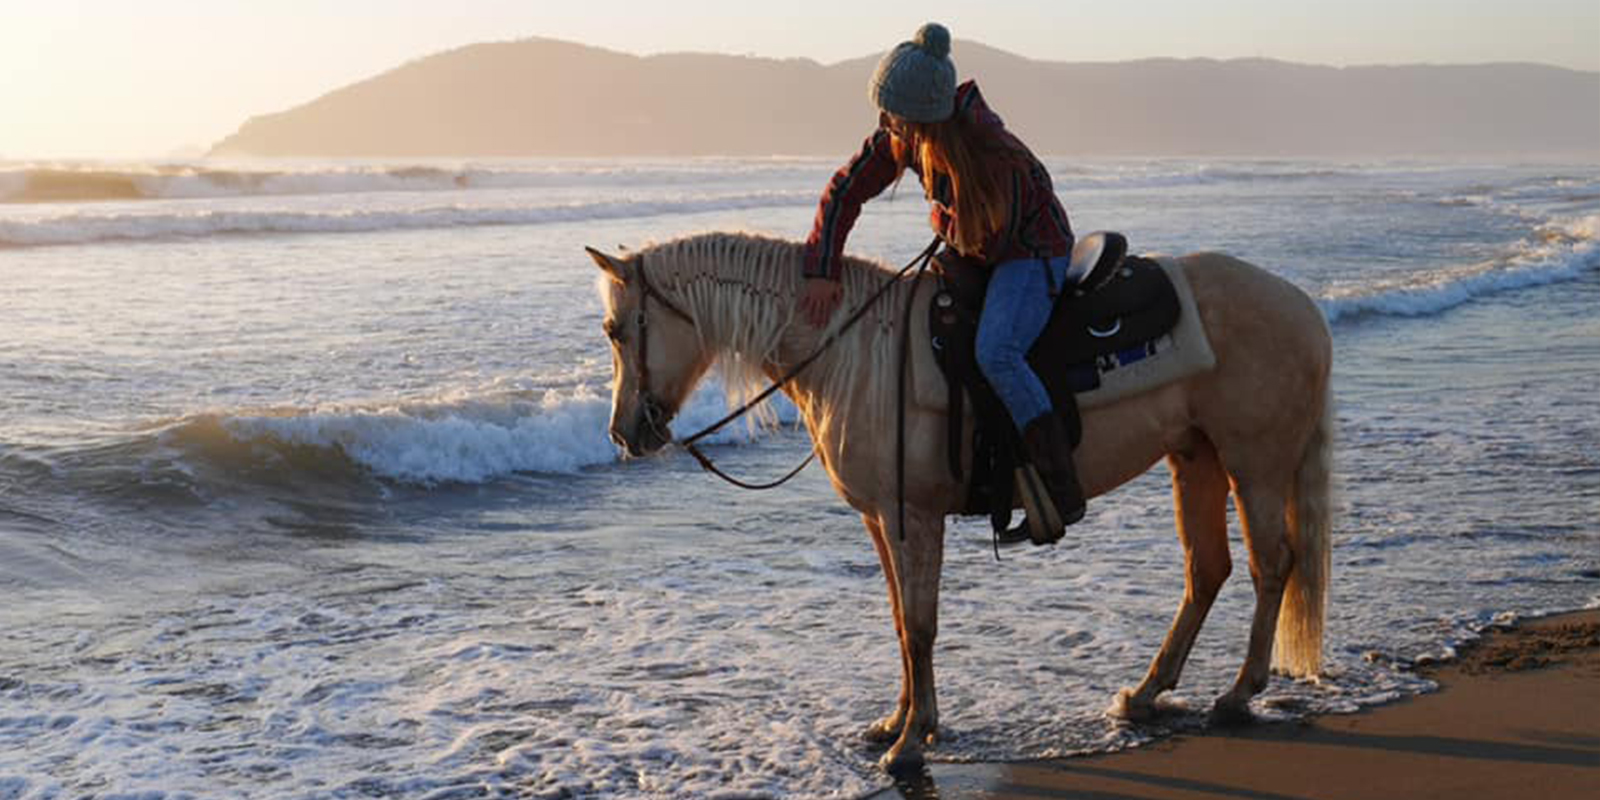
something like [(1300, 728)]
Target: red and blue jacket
[(1037, 226)]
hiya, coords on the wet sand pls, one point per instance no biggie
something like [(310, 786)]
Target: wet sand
[(1516, 716)]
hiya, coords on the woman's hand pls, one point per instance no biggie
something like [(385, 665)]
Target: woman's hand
[(819, 298)]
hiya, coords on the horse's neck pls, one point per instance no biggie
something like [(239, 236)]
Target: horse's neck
[(743, 295)]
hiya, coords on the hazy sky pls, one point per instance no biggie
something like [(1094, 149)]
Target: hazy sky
[(125, 78)]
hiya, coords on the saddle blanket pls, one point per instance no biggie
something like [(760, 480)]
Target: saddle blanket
[(1183, 352)]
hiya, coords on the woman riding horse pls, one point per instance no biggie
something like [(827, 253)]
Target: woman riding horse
[(993, 204), (1257, 426)]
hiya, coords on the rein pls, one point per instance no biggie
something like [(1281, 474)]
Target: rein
[(655, 412)]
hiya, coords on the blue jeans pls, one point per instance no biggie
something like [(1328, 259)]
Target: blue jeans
[(1015, 311)]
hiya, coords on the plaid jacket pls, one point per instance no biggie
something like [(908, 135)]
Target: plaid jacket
[(1038, 224)]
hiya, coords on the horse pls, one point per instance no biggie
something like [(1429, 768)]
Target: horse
[(1258, 425)]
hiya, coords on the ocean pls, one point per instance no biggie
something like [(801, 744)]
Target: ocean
[(306, 491)]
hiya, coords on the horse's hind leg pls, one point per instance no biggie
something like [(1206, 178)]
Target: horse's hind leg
[(888, 729), (1200, 495), (1262, 505)]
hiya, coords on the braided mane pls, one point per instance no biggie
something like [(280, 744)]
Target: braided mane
[(741, 290)]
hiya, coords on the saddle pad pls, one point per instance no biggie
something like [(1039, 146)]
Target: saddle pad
[(1184, 352)]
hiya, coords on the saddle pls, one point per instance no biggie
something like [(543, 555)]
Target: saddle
[(1111, 311)]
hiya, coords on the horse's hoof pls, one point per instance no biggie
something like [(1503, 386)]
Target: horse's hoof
[(903, 761), (884, 730), (1127, 707), (1230, 714)]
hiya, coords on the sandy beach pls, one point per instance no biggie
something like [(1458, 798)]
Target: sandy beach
[(1516, 716)]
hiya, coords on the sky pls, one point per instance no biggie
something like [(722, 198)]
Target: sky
[(156, 78)]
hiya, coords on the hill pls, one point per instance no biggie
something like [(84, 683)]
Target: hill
[(542, 97)]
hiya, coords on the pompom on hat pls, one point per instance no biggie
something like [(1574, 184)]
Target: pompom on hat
[(916, 81)]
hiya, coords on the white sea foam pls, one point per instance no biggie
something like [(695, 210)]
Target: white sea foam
[(560, 434), (1160, 174), (1558, 251), (90, 181), (470, 440), (85, 227), (87, 181)]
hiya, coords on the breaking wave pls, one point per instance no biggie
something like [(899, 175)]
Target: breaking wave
[(88, 182), (92, 182), (464, 438), (88, 227), (466, 441), (1137, 175), (1557, 251)]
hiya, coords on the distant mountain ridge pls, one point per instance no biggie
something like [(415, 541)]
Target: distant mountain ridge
[(544, 97)]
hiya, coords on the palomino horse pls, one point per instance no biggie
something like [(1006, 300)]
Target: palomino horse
[(1259, 423)]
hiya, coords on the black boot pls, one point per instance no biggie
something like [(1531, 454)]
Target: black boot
[(1049, 453)]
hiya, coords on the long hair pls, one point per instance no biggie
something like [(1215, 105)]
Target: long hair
[(980, 162)]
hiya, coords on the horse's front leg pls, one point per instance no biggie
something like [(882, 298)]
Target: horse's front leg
[(888, 728), (918, 557)]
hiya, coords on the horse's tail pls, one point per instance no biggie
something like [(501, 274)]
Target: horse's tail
[(1298, 648)]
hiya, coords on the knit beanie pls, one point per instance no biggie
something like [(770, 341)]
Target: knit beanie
[(916, 81)]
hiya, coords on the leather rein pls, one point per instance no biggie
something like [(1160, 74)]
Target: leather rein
[(657, 416)]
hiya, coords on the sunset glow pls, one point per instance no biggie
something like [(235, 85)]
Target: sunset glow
[(107, 79)]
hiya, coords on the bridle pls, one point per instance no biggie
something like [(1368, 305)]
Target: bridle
[(656, 415)]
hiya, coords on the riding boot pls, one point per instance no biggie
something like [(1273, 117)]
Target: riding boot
[(1049, 453)]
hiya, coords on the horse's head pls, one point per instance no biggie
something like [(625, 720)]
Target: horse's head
[(657, 357)]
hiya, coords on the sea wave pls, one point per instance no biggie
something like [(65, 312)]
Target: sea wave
[(93, 182), (1160, 175), (465, 441), (456, 438), (1557, 251), (89, 227), (89, 182)]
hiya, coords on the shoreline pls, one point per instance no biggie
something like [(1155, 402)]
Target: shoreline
[(1516, 715)]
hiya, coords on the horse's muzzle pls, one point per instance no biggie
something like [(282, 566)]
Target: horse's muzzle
[(650, 429), (646, 442)]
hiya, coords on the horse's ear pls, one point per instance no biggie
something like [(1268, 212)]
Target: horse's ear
[(618, 270)]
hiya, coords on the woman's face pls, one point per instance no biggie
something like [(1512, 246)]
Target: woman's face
[(892, 124)]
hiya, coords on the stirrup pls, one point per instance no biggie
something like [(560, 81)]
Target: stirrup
[(1019, 533), (1037, 506), (1045, 524)]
